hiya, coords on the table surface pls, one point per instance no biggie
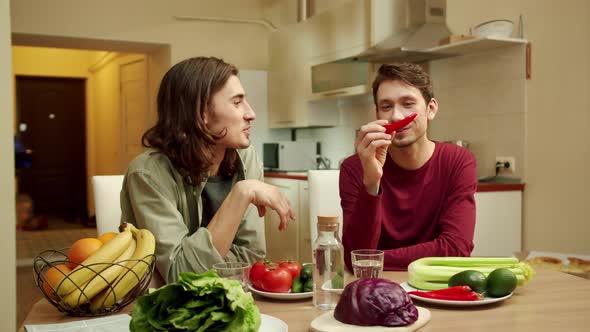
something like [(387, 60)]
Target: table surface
[(552, 301)]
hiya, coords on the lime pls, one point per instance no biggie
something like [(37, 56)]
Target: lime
[(472, 278), (501, 282)]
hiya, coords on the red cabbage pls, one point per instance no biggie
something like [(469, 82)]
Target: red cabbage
[(375, 301)]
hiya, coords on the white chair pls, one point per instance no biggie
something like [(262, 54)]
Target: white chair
[(107, 191), (324, 198)]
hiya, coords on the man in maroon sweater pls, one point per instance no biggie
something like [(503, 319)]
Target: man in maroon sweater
[(401, 192)]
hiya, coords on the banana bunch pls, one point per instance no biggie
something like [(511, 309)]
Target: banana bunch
[(111, 272)]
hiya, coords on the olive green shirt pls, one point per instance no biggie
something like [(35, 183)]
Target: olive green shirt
[(155, 196)]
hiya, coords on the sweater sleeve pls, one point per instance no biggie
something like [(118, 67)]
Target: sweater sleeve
[(155, 208), (361, 213), (456, 223), (249, 244)]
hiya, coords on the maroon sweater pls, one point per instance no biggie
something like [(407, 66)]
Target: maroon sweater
[(425, 212)]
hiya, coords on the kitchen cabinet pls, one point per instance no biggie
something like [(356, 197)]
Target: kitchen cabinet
[(336, 38), (335, 34), (295, 241), (287, 77), (498, 223), (356, 26)]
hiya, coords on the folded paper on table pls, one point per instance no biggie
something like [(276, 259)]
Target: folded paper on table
[(116, 323)]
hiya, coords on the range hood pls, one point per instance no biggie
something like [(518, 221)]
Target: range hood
[(402, 28), (364, 33)]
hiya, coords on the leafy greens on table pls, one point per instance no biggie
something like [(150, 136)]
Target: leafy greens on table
[(196, 302)]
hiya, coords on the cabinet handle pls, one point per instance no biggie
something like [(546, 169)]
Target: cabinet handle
[(335, 93), (285, 121)]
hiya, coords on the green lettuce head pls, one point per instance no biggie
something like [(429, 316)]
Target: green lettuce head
[(196, 302)]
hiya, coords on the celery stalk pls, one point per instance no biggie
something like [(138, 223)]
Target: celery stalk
[(432, 273)]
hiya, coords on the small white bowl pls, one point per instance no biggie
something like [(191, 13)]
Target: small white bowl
[(494, 29)]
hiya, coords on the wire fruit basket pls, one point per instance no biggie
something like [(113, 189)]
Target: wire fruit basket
[(83, 304)]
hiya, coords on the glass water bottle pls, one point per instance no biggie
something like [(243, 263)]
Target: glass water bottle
[(328, 263)]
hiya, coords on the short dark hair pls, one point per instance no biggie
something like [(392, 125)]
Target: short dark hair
[(409, 73), (185, 93)]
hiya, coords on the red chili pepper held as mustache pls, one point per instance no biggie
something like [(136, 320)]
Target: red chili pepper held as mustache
[(391, 127)]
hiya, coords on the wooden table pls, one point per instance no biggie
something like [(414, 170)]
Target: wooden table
[(552, 301)]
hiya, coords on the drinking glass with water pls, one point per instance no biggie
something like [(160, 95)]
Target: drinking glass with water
[(367, 263), (238, 271)]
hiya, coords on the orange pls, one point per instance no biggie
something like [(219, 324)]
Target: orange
[(81, 250), (53, 277), (104, 238)]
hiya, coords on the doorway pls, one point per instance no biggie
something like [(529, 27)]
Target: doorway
[(51, 117)]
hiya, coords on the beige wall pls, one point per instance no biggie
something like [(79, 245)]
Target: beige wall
[(556, 155), (43, 61), (482, 100), (7, 214), (244, 45)]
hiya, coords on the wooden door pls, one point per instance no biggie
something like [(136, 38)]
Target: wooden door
[(134, 109), (52, 123)]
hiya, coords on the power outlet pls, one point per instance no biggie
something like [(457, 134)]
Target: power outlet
[(511, 164)]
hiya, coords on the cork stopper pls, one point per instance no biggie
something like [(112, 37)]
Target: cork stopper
[(328, 223)]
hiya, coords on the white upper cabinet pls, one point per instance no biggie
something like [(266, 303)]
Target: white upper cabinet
[(285, 83), (288, 80), (341, 32), (364, 27)]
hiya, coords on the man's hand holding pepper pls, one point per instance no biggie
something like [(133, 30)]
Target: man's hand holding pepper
[(371, 145)]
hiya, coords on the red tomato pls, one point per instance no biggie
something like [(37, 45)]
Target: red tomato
[(277, 280), (294, 267), (258, 270)]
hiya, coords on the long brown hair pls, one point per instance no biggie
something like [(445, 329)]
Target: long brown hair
[(409, 73), (185, 93)]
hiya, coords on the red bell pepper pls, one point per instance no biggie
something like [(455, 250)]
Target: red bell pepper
[(391, 127)]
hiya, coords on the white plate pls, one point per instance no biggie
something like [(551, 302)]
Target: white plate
[(485, 300), (272, 324), (281, 296), (327, 286)]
